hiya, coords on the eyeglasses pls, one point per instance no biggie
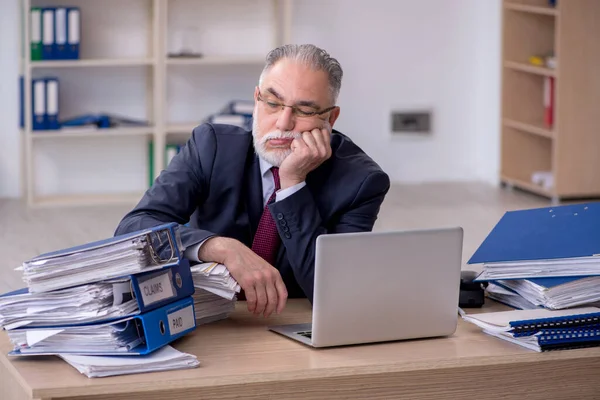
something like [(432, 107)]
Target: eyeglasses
[(273, 106)]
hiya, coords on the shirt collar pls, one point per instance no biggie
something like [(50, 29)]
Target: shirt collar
[(264, 166)]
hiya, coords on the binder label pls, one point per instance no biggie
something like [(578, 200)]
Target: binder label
[(36, 26), (181, 320), (157, 288)]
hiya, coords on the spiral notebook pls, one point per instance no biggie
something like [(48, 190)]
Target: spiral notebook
[(554, 339), (528, 322)]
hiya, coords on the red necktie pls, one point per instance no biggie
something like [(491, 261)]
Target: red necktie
[(267, 240)]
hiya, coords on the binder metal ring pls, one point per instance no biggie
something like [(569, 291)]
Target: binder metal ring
[(154, 255)]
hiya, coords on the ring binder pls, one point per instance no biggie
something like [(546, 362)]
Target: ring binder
[(137, 335), (144, 250)]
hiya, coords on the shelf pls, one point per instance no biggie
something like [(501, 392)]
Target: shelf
[(533, 129), (216, 60), (108, 62), (532, 69), (518, 183), (88, 199), (182, 128), (540, 10), (92, 132)]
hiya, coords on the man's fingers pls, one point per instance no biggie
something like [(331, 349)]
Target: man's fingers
[(326, 135), (298, 144), (250, 298), (321, 143), (309, 139), (271, 299), (261, 298), (281, 294)]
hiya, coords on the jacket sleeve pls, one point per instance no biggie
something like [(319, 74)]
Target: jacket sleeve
[(299, 223), (178, 190)]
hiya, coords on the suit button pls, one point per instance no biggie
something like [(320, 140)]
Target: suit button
[(279, 216), (285, 229), (287, 235), (283, 222)]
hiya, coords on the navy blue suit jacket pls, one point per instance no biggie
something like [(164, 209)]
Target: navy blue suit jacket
[(214, 186)]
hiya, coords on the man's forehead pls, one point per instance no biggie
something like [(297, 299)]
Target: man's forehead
[(292, 79)]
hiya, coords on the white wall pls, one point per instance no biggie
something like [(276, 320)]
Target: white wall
[(397, 54), (10, 157), (404, 54)]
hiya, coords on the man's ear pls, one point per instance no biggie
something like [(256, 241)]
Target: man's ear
[(255, 94), (333, 116)]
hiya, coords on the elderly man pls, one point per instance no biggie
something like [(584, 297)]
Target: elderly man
[(256, 201)]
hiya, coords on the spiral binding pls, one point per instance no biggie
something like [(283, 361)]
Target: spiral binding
[(529, 327)]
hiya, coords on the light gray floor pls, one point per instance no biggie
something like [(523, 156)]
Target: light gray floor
[(25, 233)]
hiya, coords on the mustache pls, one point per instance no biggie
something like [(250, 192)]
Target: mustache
[(280, 135)]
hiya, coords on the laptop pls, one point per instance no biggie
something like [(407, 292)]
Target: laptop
[(383, 286)]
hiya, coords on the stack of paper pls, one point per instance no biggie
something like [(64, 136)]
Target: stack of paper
[(508, 297), (76, 305), (210, 307), (215, 295), (215, 278), (111, 258), (164, 359), (556, 293), (548, 256), (542, 329), (119, 337), (138, 334)]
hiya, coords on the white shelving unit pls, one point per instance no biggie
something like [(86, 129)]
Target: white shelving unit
[(159, 69)]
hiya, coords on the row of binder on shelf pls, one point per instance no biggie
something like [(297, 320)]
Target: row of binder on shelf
[(54, 33), (45, 109), (544, 262), (44, 103), (130, 295)]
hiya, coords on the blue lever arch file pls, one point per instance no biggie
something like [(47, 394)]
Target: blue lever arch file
[(144, 250), (97, 302), (137, 335), (48, 33), (569, 231)]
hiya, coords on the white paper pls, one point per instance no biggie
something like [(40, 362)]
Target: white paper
[(163, 359), (34, 336)]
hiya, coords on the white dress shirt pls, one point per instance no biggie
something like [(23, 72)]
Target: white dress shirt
[(268, 186)]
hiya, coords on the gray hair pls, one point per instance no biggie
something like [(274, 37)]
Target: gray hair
[(313, 56)]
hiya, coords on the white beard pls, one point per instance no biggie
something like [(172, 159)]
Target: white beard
[(274, 157)]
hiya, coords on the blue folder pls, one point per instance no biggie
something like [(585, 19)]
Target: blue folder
[(166, 250), (153, 330), (48, 33), (150, 290), (568, 231)]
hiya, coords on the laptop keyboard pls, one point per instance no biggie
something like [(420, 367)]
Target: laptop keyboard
[(307, 334)]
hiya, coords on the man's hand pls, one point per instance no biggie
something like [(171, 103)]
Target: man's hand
[(262, 283), (308, 152)]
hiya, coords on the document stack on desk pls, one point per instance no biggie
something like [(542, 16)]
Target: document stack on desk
[(550, 257), (164, 359), (214, 298), (128, 295), (541, 329)]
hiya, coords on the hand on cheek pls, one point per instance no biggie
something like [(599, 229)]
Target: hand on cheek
[(308, 152)]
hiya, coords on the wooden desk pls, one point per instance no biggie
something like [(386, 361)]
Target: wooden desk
[(241, 359)]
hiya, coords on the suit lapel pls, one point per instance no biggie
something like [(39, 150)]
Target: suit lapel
[(254, 198)]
